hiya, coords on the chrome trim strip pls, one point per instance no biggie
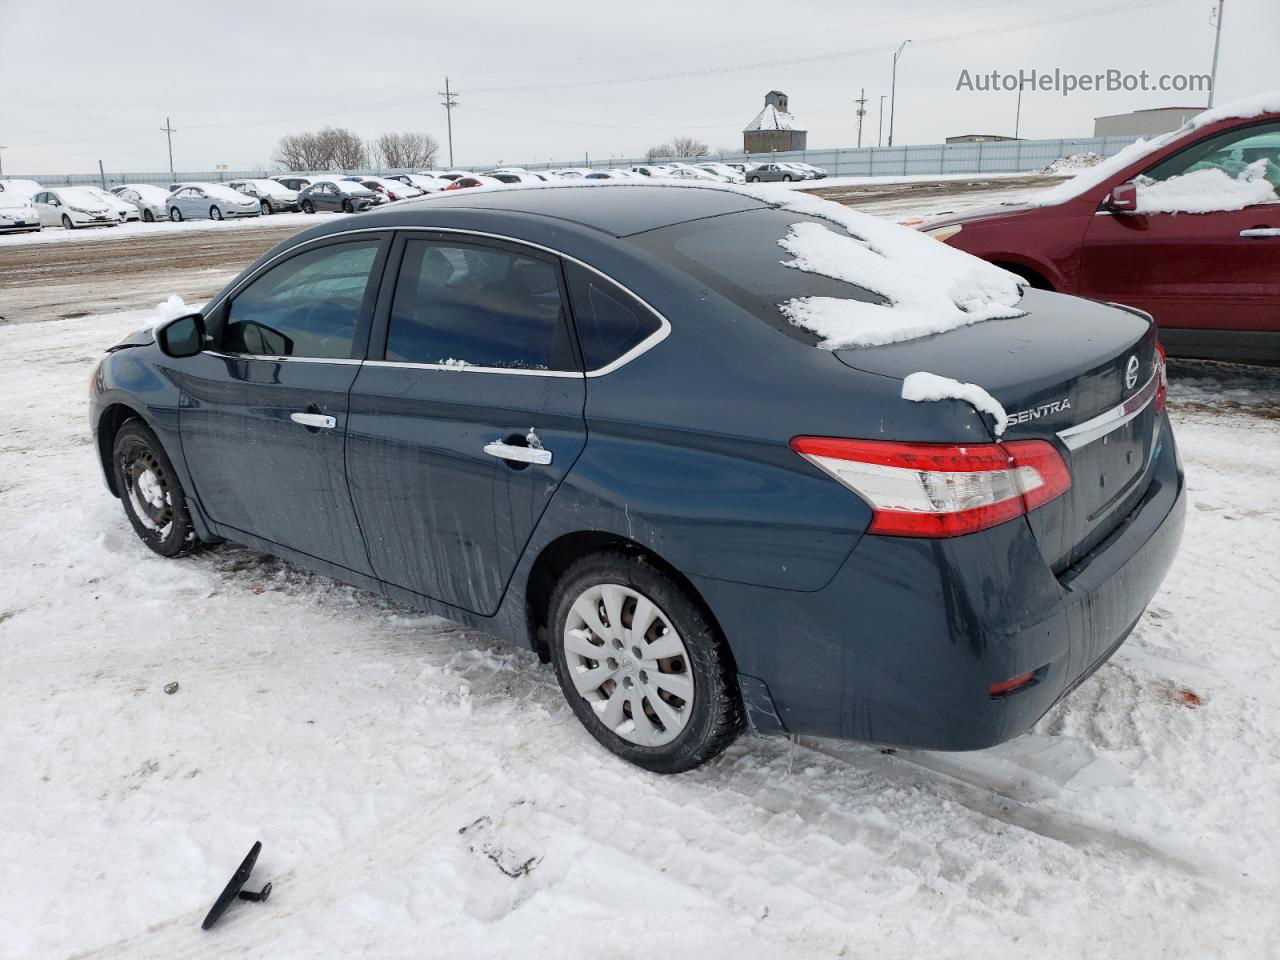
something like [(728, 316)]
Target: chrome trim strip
[(468, 368), (1083, 434), (258, 356), (644, 346)]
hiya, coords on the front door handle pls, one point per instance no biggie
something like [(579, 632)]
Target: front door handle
[(509, 451), (315, 420), (1261, 232)]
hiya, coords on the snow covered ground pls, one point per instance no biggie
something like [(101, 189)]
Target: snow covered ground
[(422, 790)]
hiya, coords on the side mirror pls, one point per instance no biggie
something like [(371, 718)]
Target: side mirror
[(1123, 198), (183, 337)]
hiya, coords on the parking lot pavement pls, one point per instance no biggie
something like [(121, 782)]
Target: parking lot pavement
[(421, 787)]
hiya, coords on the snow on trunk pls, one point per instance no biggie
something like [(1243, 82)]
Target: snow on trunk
[(923, 387)]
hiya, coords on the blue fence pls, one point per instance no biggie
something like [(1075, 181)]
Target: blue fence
[(1001, 156)]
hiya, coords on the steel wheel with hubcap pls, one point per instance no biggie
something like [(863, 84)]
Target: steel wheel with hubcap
[(215, 213), (642, 664)]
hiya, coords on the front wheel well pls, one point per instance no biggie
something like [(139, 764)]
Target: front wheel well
[(109, 424), (1035, 278), (557, 556)]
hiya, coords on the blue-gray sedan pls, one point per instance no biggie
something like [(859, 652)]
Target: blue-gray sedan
[(588, 420), (195, 201)]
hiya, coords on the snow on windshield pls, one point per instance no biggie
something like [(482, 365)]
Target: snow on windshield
[(928, 287), (223, 193), (85, 195), (1207, 191), (923, 387)]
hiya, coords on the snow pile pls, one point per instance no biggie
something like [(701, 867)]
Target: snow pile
[(1073, 163), (928, 287), (923, 387), (1207, 191)]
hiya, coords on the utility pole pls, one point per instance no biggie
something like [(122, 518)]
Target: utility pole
[(169, 132), (449, 102), (2, 150), (862, 111), (880, 120), (1017, 117), (893, 88), (1217, 42)]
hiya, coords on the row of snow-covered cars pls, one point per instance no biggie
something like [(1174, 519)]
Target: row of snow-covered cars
[(25, 205)]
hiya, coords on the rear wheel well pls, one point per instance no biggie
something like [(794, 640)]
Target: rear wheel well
[(1035, 278), (557, 556), (109, 424)]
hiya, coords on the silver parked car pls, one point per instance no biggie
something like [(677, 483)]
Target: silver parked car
[(17, 213), (152, 202), (215, 201), (272, 196), (772, 173)]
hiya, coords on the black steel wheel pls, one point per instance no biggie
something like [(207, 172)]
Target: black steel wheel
[(151, 492)]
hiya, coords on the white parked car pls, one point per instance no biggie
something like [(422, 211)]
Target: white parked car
[(272, 197), (722, 170), (24, 188), (151, 202), (74, 207), (652, 169), (216, 201), (424, 182), (683, 172), (389, 188), (125, 211), (17, 213)]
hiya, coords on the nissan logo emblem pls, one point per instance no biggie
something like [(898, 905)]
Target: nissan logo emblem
[(1131, 373)]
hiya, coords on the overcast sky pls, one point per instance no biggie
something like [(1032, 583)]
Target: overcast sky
[(81, 82)]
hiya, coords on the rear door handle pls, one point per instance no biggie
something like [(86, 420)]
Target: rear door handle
[(1261, 232), (508, 451), (314, 420)]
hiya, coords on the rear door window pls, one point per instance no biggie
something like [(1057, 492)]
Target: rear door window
[(610, 321), (462, 304), (308, 306)]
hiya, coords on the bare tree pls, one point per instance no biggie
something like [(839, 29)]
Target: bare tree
[(290, 151), (688, 147), (341, 149), (403, 151), (659, 152)]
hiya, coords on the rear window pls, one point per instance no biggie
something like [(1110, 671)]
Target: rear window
[(738, 257)]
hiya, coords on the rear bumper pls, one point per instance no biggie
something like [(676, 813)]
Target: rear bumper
[(904, 644)]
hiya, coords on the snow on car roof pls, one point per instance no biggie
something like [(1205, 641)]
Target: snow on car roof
[(928, 287), (1086, 180), (148, 191)]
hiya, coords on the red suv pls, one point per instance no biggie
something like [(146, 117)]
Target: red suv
[(1211, 279)]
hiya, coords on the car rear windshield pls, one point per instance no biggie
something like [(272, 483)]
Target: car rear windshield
[(737, 255)]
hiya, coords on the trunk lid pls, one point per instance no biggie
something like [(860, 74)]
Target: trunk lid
[(1074, 372)]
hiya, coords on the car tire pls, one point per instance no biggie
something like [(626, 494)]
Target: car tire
[(215, 213), (266, 209), (681, 732), (347, 207), (786, 178), (175, 214), (151, 492), (308, 207), (67, 224), (753, 179), (148, 216)]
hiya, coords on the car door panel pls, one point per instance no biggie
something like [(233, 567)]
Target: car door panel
[(442, 517), (1189, 270), (263, 417)]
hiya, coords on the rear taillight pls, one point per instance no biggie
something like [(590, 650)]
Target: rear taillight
[(939, 490), (1162, 375)]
